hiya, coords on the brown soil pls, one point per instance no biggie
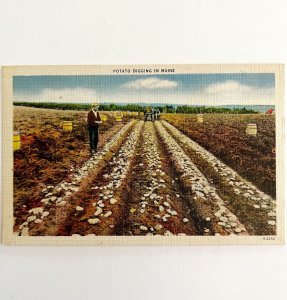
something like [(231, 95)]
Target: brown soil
[(254, 158), (140, 178), (253, 219), (66, 220), (48, 154)]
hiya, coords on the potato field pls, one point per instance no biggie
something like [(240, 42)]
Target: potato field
[(173, 176)]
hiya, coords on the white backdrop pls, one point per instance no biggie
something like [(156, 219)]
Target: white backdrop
[(134, 32)]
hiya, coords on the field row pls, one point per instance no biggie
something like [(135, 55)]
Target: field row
[(149, 179), (253, 157)]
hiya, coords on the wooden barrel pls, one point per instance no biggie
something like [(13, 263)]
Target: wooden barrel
[(104, 118), (251, 129), (200, 118), (67, 126), (16, 141)]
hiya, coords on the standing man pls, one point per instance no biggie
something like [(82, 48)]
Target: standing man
[(157, 113), (94, 121)]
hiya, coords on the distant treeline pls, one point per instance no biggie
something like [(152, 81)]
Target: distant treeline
[(184, 109), (213, 110)]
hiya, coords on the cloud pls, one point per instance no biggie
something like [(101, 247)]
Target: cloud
[(226, 87), (233, 92), (150, 83), (230, 92), (83, 95)]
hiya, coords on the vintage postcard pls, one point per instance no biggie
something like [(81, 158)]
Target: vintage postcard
[(143, 155)]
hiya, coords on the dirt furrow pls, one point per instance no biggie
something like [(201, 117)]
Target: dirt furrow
[(57, 198), (48, 155), (154, 201), (255, 209), (98, 208), (212, 216)]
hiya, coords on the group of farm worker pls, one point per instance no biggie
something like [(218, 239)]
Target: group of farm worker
[(151, 113), (94, 120)]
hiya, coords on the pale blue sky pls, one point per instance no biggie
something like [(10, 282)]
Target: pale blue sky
[(217, 89)]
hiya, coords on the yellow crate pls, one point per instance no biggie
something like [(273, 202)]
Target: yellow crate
[(119, 118), (16, 141), (67, 125), (104, 118)]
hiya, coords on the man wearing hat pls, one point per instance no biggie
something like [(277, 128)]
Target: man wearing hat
[(94, 121)]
